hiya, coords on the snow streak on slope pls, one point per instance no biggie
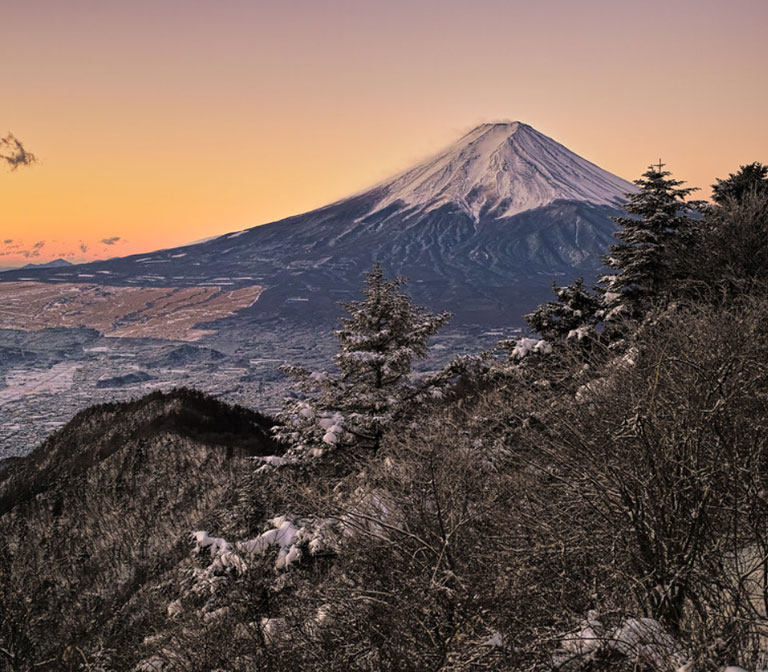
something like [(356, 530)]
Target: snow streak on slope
[(503, 169)]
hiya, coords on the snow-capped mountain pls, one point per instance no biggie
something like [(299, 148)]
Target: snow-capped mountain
[(503, 169), (481, 229)]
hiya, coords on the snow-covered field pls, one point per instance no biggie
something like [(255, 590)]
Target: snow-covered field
[(23, 382)]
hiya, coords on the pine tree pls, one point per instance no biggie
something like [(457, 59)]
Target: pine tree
[(574, 309), (658, 216), (372, 390), (750, 178)]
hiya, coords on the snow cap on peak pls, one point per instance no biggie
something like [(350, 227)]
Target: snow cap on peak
[(501, 169), (498, 128)]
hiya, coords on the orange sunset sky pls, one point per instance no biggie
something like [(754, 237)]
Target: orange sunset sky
[(158, 123)]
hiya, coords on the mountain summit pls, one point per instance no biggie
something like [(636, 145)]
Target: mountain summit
[(481, 229), (502, 169)]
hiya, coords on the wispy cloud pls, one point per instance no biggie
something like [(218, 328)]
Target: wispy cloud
[(35, 251), (13, 152), (8, 248), (20, 250)]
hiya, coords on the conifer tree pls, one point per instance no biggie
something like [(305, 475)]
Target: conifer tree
[(574, 308), (372, 390), (657, 216), (737, 186)]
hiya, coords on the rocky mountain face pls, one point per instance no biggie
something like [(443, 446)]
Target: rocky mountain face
[(482, 229)]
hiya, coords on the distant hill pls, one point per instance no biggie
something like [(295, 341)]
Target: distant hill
[(56, 263), (121, 381), (104, 507), (187, 354)]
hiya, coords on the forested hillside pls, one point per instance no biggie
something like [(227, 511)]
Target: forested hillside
[(589, 497)]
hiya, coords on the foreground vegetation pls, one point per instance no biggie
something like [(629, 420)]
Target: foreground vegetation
[(593, 499)]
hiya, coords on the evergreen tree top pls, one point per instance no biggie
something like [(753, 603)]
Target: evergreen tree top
[(658, 192), (387, 320), (752, 177)]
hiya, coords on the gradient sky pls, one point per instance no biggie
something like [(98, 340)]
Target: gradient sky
[(162, 122)]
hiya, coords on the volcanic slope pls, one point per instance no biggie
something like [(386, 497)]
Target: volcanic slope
[(481, 229)]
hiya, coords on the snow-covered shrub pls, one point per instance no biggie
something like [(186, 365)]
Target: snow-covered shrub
[(580, 334), (291, 536), (574, 310), (152, 664), (525, 346), (214, 545), (581, 644), (271, 462), (643, 642)]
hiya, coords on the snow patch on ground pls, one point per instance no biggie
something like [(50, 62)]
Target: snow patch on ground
[(24, 382), (643, 641)]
